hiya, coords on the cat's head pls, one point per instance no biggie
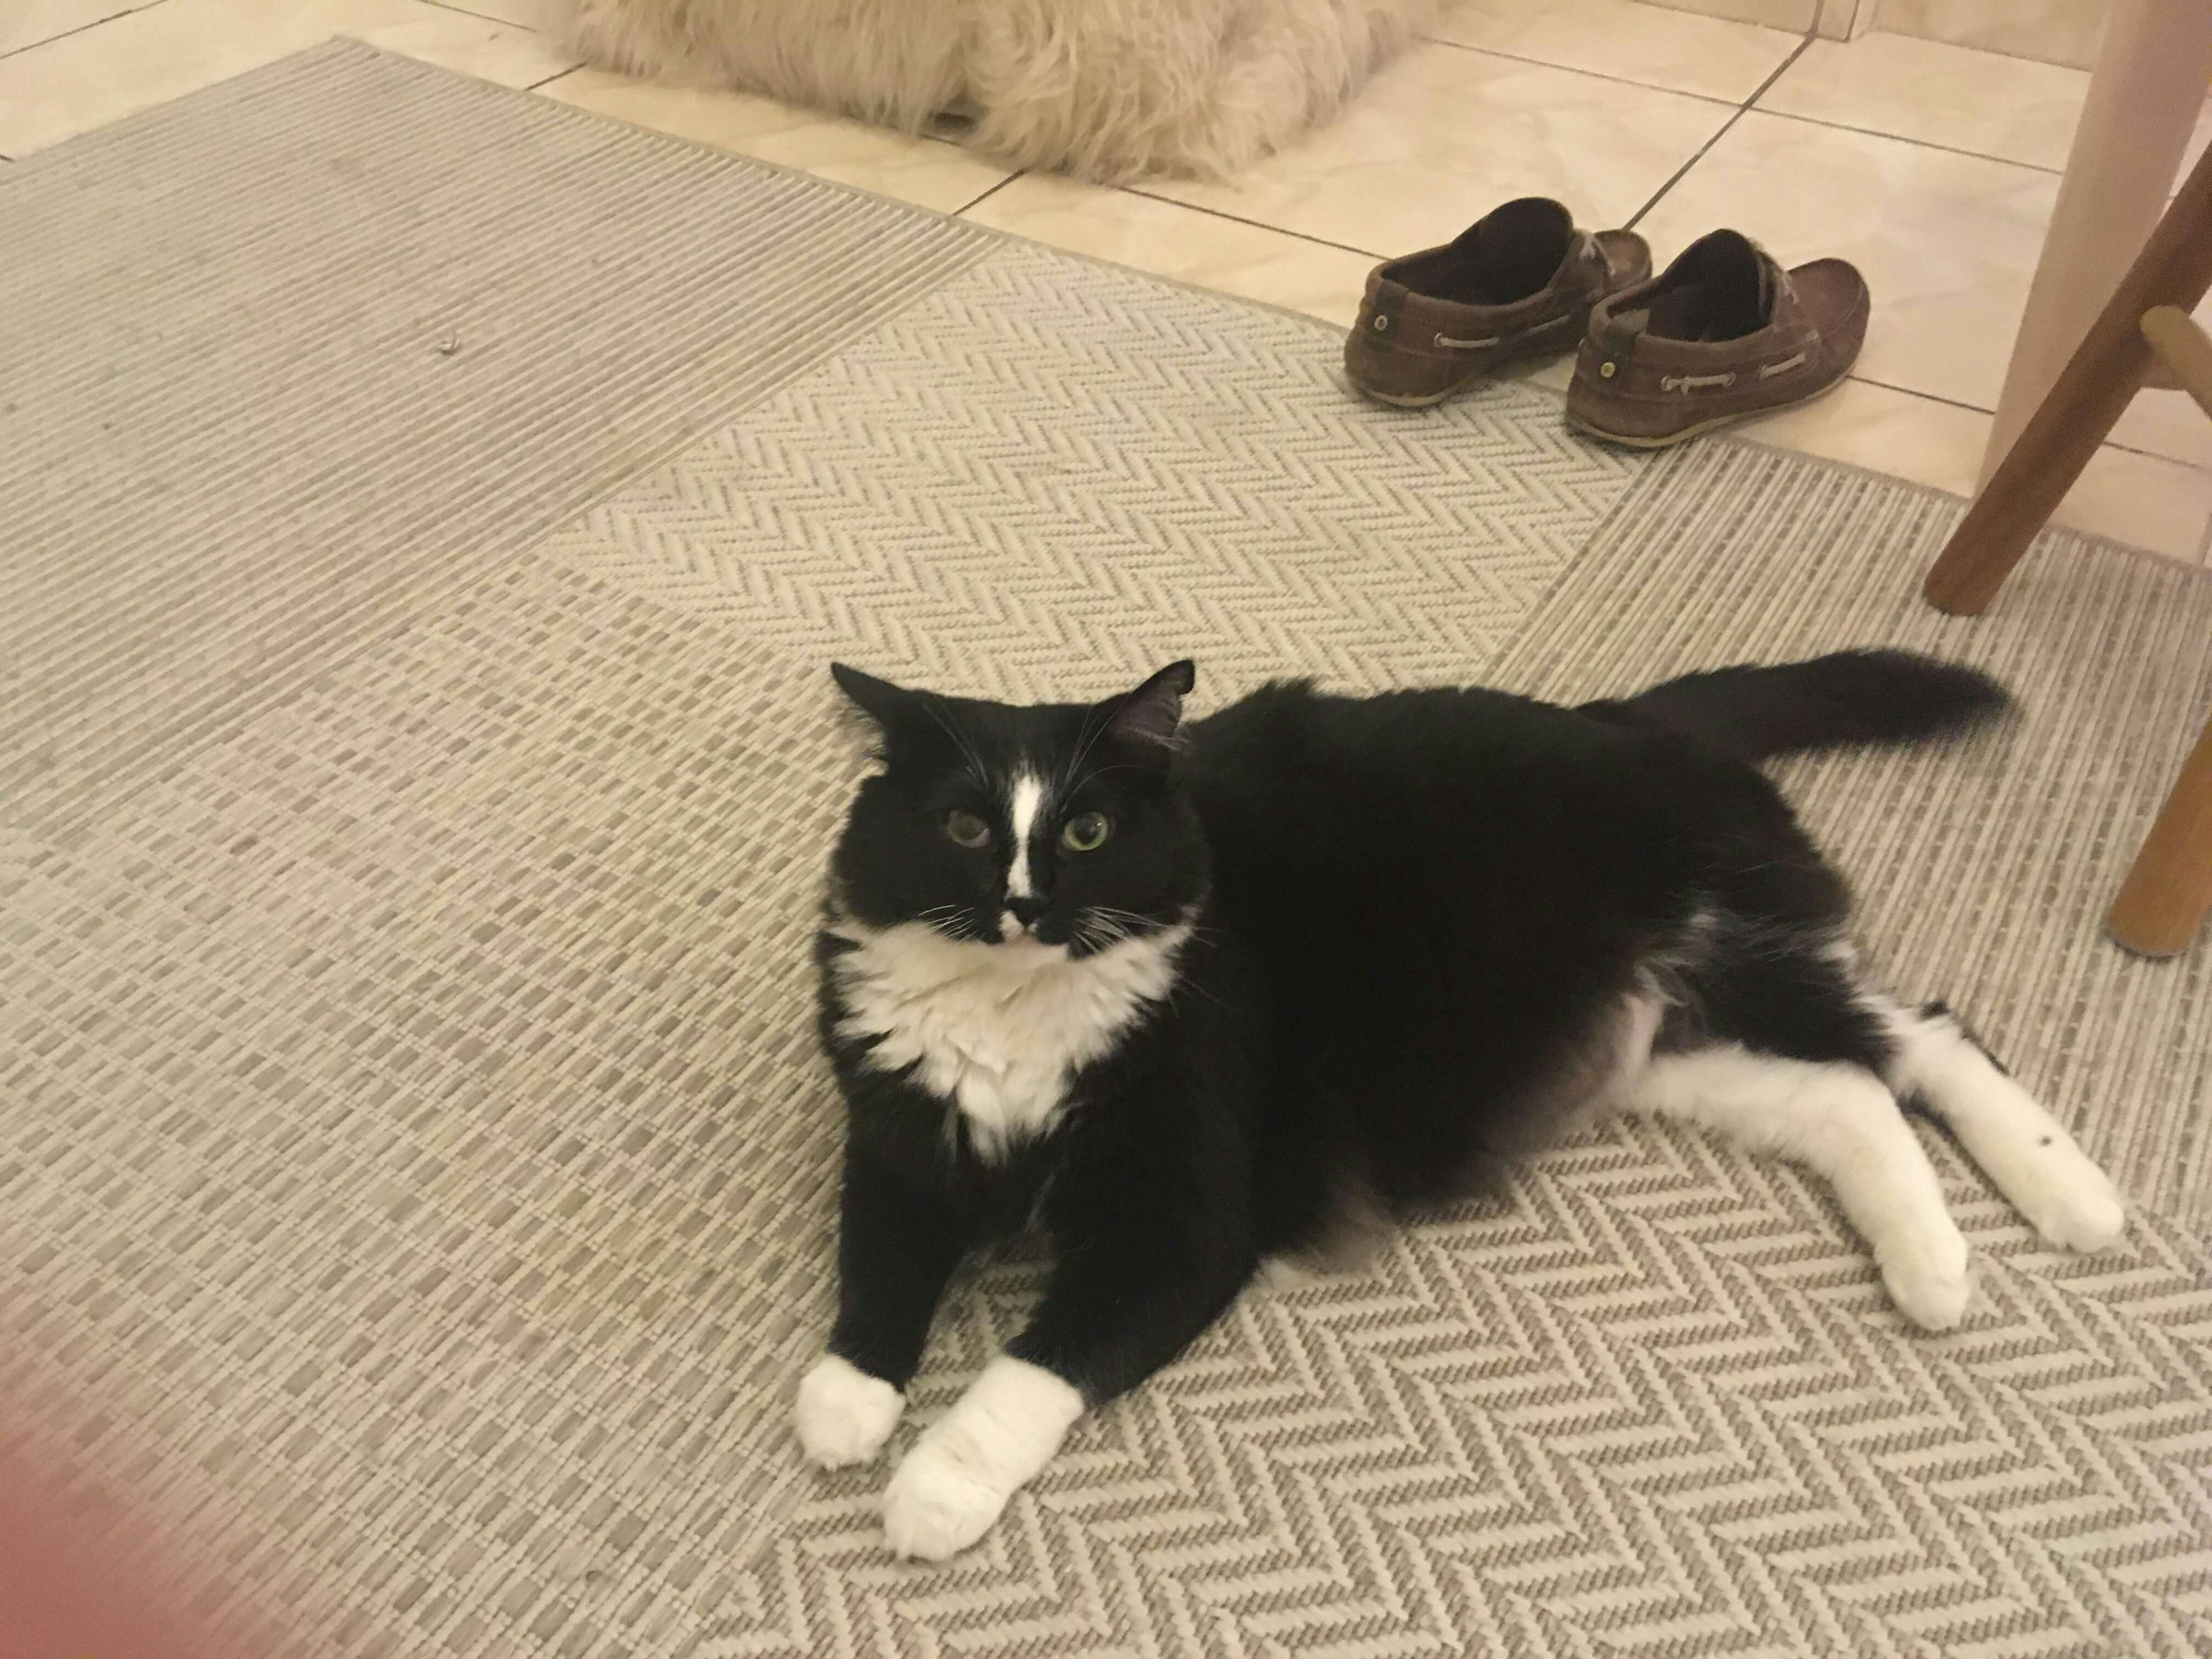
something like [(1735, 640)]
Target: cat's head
[(1058, 825)]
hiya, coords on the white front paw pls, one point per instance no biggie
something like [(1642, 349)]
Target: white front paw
[(1930, 1279), (936, 1505), (1286, 1275), (843, 1415), (961, 1473)]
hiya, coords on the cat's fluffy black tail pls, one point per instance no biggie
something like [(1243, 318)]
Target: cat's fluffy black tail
[(1828, 703)]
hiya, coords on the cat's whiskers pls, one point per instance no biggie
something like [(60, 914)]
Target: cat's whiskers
[(976, 769), (1094, 727), (950, 920), (1094, 931), (1134, 923), (1097, 772)]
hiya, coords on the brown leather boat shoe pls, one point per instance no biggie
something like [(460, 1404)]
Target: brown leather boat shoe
[(1519, 283), (1723, 334)]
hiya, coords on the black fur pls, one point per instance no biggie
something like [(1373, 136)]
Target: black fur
[(1844, 698), (1418, 917)]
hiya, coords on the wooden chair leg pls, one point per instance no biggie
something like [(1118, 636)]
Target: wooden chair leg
[(2184, 349), (2146, 97), (2093, 391), (2169, 888)]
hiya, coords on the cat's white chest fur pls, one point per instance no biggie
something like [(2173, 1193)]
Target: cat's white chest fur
[(998, 1029)]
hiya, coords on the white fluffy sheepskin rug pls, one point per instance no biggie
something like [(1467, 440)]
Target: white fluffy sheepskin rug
[(1106, 89)]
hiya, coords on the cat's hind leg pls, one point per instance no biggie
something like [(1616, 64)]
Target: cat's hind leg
[(1840, 1121), (2025, 1150)]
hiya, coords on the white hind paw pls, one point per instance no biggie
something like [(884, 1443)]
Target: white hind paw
[(2069, 1200), (2020, 1146), (1930, 1279)]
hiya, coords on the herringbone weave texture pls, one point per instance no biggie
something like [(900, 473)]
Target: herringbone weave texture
[(357, 367), (415, 1167)]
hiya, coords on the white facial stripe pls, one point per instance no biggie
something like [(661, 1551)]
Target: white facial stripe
[(1029, 797)]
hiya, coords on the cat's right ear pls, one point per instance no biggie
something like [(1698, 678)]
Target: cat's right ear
[(888, 705), (1148, 716)]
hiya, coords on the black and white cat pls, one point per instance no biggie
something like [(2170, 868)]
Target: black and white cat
[(1188, 999)]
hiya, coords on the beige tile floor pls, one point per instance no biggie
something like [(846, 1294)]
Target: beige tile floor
[(1933, 167)]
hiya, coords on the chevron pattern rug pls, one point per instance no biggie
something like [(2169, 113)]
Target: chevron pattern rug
[(415, 1173)]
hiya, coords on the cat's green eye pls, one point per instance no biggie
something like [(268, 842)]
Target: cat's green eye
[(967, 828), (1085, 832)]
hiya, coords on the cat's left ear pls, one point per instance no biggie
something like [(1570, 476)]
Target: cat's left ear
[(1148, 716), (886, 704)]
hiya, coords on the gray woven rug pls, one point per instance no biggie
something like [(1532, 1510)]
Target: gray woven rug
[(427, 512)]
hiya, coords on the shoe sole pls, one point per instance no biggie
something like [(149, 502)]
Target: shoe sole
[(1669, 440), (1430, 399), (1424, 400)]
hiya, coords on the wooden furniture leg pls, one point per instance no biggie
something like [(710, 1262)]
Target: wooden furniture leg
[(2186, 351), (2169, 887), (2142, 104), (2094, 390)]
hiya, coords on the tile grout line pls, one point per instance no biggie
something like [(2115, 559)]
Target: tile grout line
[(1595, 74), (1750, 103), (1254, 224), (1932, 397), (484, 16), (546, 35), (32, 46), (1018, 172), (1976, 409), (1900, 138), (1726, 127)]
